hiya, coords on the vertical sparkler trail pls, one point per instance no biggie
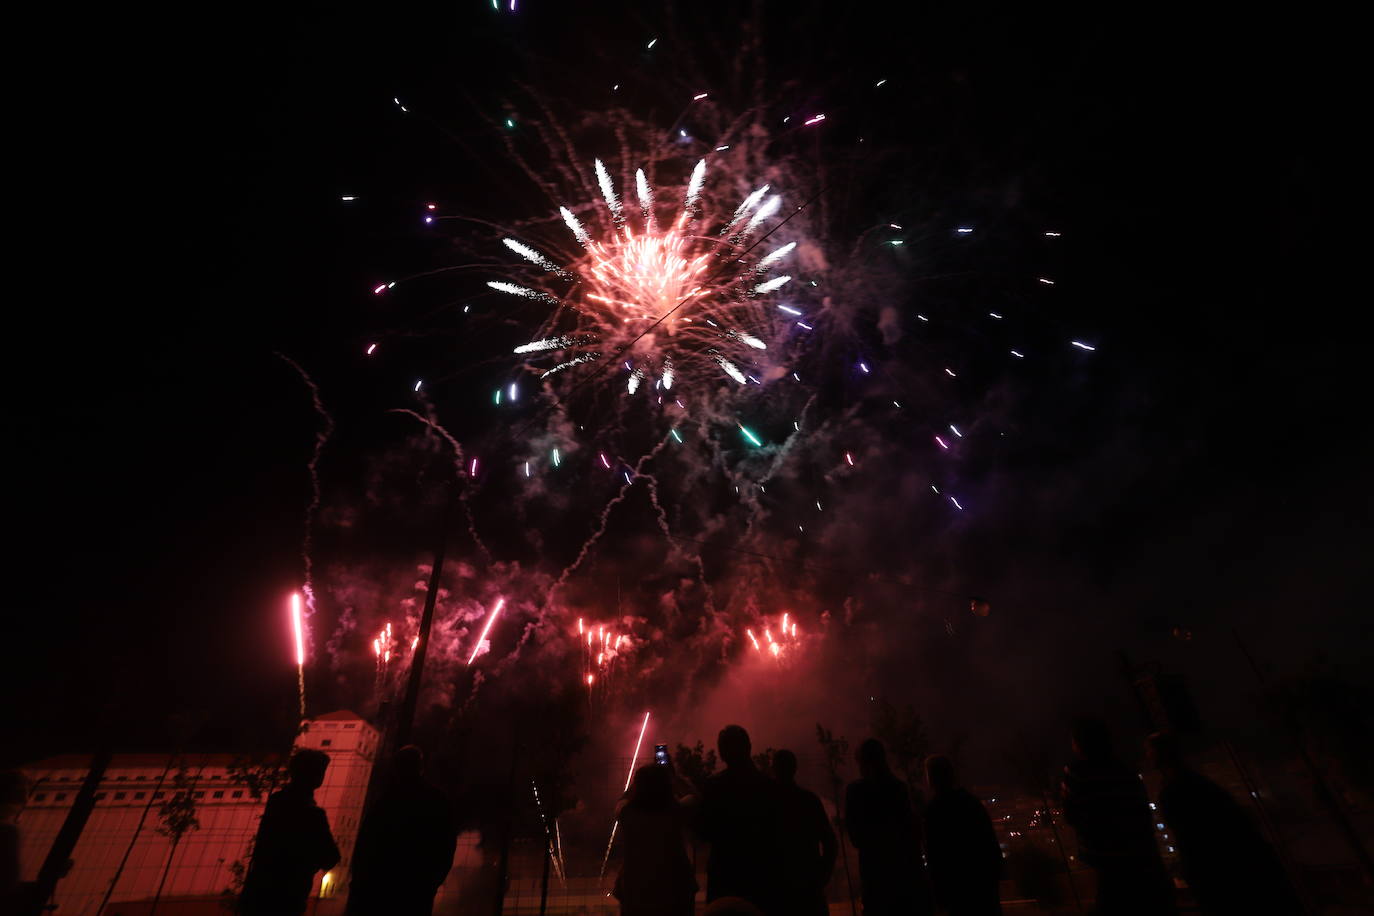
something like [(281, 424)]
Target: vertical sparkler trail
[(491, 618), (629, 777), (300, 648)]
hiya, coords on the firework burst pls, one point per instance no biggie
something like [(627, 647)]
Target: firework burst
[(674, 302)]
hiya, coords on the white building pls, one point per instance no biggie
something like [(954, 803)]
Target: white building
[(200, 873)]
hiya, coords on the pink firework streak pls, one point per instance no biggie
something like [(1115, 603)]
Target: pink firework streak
[(491, 618)]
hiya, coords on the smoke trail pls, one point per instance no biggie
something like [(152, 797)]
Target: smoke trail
[(321, 437), (459, 471)]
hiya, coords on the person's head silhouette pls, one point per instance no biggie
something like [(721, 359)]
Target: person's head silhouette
[(652, 789), (1164, 752), (307, 768), (1091, 739), (733, 744), (872, 757), (785, 767), (940, 773)]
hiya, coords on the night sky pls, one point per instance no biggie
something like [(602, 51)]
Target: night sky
[(1206, 469)]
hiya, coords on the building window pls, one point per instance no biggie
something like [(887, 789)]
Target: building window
[(100, 796), (351, 725), (40, 796), (59, 796), (326, 742), (119, 796), (138, 795), (158, 794), (218, 794), (198, 794), (238, 793)]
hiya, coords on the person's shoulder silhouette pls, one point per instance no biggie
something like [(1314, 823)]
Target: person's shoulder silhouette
[(292, 844)]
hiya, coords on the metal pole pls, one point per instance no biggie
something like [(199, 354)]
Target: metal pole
[(417, 663)]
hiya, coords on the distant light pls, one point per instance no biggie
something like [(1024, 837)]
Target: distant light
[(371, 348), (510, 123), (418, 384), (432, 206), (786, 119), (922, 317), (849, 458), (950, 372), (465, 309), (1082, 346), (496, 396), (815, 120), (935, 488), (748, 434), (378, 289), (895, 242), (615, 88), (954, 429), (895, 404), (682, 133), (1052, 235), (429, 219), (964, 230), (995, 314), (894, 225), (675, 435), (956, 504), (1018, 354), (805, 325), (941, 442), (879, 83), (348, 198), (864, 367), (721, 149), (698, 97), (651, 44), (391, 284), (472, 468), (514, 392), (1046, 282), (606, 464), (557, 458), (789, 310), (627, 477), (527, 469)]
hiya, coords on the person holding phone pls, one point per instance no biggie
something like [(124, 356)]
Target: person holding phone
[(656, 878)]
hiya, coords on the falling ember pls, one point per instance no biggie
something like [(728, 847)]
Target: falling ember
[(377, 290), (849, 458), (580, 631), (815, 120), (1082, 346), (472, 468), (491, 618)]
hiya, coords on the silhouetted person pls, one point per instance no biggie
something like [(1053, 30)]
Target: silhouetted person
[(808, 849), (293, 843), (1225, 859), (1109, 810), (962, 852), (405, 845), (657, 878), (739, 818), (882, 826)]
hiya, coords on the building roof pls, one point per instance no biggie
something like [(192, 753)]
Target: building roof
[(145, 761), (337, 715), (192, 761)]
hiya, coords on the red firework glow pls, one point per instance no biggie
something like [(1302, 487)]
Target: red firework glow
[(776, 647)]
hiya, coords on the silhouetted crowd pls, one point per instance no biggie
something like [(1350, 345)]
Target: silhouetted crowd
[(772, 847)]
